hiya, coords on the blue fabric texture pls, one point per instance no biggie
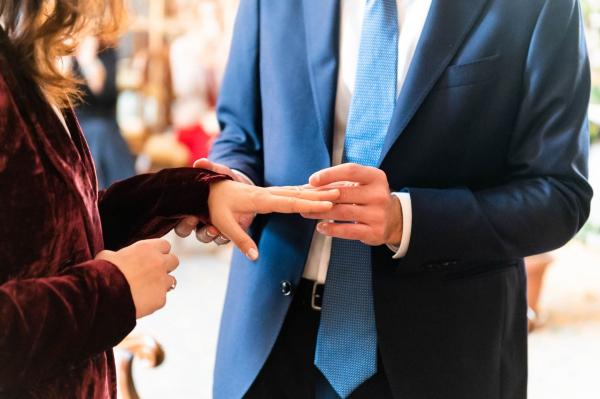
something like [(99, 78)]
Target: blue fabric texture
[(489, 136), (346, 350)]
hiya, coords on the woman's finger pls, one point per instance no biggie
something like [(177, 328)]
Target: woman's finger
[(186, 226), (280, 204), (305, 193), (347, 231), (230, 228), (162, 245), (222, 240), (170, 282), (204, 234), (183, 230), (349, 192), (171, 262), (331, 186)]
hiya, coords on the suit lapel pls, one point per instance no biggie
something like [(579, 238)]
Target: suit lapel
[(321, 18), (447, 26)]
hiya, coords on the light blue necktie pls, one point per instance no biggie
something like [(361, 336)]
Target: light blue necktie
[(346, 350)]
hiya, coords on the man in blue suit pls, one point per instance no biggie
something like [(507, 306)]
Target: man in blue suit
[(456, 132)]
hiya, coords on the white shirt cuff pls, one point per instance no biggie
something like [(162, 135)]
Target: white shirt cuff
[(406, 205), (243, 177)]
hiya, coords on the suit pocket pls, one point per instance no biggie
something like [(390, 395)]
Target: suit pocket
[(477, 71), (478, 270)]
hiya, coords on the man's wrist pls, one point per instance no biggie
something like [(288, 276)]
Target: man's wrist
[(242, 177), (396, 229), (402, 249)]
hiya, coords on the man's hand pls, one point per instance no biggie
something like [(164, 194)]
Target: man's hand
[(231, 202), (207, 234), (366, 210)]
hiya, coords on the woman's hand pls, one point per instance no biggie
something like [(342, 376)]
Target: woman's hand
[(231, 204), (146, 266), (209, 233)]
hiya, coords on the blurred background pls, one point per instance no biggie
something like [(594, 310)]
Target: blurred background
[(150, 104)]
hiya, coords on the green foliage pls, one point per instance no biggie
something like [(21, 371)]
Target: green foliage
[(589, 231), (594, 132), (595, 95)]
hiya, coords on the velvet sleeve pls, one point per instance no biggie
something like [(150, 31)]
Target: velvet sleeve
[(150, 205), (48, 323)]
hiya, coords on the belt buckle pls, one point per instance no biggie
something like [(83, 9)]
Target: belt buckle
[(316, 295)]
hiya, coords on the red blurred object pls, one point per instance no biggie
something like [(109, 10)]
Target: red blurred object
[(196, 140)]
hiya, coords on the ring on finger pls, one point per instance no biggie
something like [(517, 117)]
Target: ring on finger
[(173, 283), (221, 240), (209, 234), (203, 235)]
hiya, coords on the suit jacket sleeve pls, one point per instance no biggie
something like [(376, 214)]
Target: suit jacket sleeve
[(53, 321), (239, 109), (150, 205), (545, 199)]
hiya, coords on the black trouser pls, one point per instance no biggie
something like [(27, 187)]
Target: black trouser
[(289, 371)]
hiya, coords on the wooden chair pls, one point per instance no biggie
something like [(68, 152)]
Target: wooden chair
[(536, 267), (146, 350)]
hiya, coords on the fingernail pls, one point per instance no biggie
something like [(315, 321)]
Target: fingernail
[(321, 228), (252, 254), (211, 233)]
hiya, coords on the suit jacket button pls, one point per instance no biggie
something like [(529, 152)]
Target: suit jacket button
[(286, 288)]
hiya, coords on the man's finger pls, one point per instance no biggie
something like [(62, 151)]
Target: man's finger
[(355, 194), (239, 237), (341, 213), (204, 163), (347, 231), (345, 172)]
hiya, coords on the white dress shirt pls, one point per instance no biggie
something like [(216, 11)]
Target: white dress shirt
[(411, 19)]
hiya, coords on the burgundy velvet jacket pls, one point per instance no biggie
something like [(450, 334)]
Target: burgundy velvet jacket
[(61, 311)]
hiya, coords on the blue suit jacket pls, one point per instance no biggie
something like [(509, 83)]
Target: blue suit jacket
[(490, 138)]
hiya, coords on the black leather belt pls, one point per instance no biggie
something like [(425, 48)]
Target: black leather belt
[(316, 298), (311, 291)]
